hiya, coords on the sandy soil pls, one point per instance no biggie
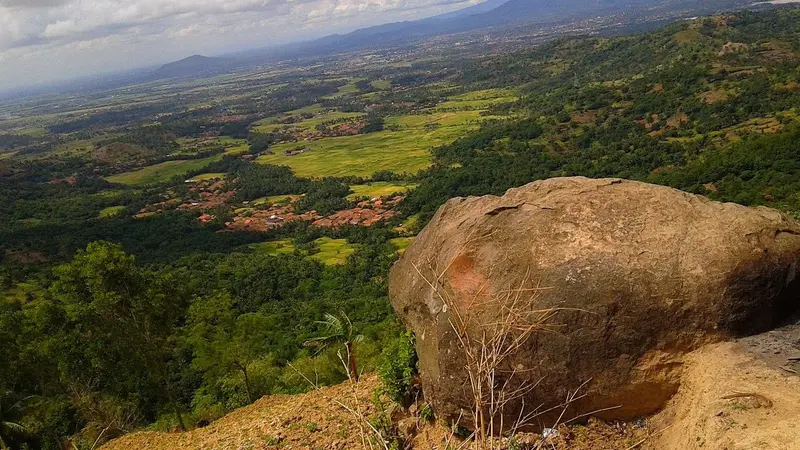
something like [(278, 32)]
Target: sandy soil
[(742, 395)]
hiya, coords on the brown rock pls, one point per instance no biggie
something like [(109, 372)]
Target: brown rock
[(635, 276)]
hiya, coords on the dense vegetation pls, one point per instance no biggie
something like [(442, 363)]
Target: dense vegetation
[(706, 106), (111, 344), (111, 322)]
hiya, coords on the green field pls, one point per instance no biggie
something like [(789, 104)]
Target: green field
[(192, 146), (111, 211), (313, 109), (404, 149), (71, 147), (330, 251), (308, 124), (478, 99), (378, 189), (383, 85), (234, 146), (273, 248), (333, 251), (160, 173), (401, 243), (349, 88), (271, 200), (33, 131), (410, 226), (107, 194), (209, 176), (82, 146)]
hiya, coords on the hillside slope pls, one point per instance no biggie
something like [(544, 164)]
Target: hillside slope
[(739, 394), (306, 421), (319, 420)]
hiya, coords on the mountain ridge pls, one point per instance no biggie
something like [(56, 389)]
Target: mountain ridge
[(195, 65)]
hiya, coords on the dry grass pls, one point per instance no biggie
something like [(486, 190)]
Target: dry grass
[(314, 420), (491, 330)]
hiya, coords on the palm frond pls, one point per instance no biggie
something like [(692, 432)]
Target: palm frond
[(319, 343), (14, 428), (332, 323)]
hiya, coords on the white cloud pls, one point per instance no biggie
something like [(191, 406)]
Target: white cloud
[(64, 38)]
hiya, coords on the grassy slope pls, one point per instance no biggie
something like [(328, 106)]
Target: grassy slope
[(307, 421)]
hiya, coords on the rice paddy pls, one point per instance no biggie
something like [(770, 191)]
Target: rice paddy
[(160, 173), (382, 85), (328, 251), (401, 244), (403, 147), (333, 252), (349, 88), (273, 248), (271, 200), (305, 125), (111, 211), (209, 176), (378, 189)]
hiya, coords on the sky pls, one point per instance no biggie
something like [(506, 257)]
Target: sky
[(44, 41)]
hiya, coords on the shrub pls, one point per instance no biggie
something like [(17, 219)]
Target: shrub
[(398, 369)]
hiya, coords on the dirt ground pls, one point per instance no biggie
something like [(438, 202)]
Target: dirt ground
[(315, 420), (596, 435), (319, 420), (742, 395)]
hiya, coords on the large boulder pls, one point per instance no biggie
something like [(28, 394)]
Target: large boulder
[(608, 281)]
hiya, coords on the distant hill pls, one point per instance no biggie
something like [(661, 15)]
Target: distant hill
[(480, 8), (546, 10), (489, 14), (492, 13), (194, 66)]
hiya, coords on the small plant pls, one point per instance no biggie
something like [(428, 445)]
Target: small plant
[(386, 429), (514, 444), (426, 412), (398, 368), (459, 431), (273, 440), (312, 427)]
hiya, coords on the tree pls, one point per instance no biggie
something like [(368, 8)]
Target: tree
[(116, 326), (339, 331), (222, 340)]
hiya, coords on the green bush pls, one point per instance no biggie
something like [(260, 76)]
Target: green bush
[(398, 369)]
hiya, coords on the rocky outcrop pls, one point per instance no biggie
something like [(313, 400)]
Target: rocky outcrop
[(619, 280)]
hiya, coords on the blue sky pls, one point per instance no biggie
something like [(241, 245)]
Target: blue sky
[(42, 41)]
